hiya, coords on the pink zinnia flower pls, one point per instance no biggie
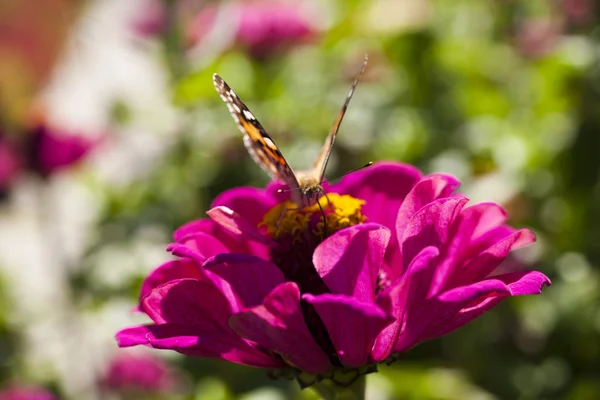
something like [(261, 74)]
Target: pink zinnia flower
[(138, 373), (263, 28), (400, 260), (151, 20), (52, 149), (579, 11), (538, 37), (10, 164), (25, 393)]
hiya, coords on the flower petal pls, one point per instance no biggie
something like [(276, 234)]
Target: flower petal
[(169, 271), (250, 203), (524, 282), (397, 299), (428, 189), (462, 305), (235, 223), (201, 243), (235, 243), (251, 278), (485, 264), (188, 301), (352, 325), (207, 341), (383, 186), (430, 226), (476, 228), (134, 336), (278, 325), (349, 260)]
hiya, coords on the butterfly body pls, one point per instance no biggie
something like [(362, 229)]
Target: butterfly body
[(304, 186)]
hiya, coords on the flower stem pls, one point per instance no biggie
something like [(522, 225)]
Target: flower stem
[(331, 391)]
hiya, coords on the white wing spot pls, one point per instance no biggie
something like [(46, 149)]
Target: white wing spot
[(248, 115), (269, 142)]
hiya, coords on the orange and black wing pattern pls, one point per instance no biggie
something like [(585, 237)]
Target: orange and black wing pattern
[(256, 139)]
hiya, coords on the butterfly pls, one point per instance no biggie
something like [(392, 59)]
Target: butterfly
[(304, 186)]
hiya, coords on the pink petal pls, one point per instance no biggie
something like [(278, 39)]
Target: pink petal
[(352, 325), (235, 243), (133, 336), (475, 229), (428, 189), (486, 262), (198, 225), (463, 305), (524, 282), (206, 245), (430, 226), (209, 341), (465, 294), (383, 186), (250, 203), (185, 252), (278, 325), (250, 277), (349, 260), (188, 301), (237, 225), (398, 298), (169, 271)]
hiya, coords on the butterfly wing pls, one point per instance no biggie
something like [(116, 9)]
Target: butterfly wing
[(257, 141), (321, 164)]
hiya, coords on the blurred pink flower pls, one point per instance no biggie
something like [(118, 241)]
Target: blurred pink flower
[(10, 164), (52, 149), (400, 260), (138, 373), (538, 37), (151, 19), (263, 28), (579, 11), (25, 393)]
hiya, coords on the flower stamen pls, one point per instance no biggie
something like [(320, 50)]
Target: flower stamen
[(329, 214)]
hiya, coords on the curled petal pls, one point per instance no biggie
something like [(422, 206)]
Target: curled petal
[(204, 244), (349, 260), (133, 336), (353, 325), (427, 190), (249, 202), (278, 325), (235, 223)]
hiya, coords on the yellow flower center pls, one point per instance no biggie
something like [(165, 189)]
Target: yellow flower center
[(334, 212)]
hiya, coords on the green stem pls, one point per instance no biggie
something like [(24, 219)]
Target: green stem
[(331, 391)]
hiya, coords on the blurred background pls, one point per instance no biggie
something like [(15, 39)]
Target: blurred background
[(112, 135)]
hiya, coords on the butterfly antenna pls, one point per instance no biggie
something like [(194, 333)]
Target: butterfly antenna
[(354, 170), (336, 125)]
